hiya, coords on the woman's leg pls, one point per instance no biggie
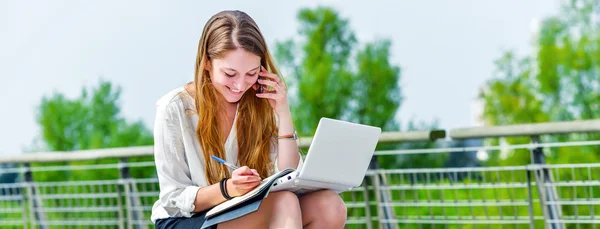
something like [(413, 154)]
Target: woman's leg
[(323, 209), (278, 210)]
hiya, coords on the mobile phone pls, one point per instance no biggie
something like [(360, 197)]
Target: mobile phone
[(261, 87)]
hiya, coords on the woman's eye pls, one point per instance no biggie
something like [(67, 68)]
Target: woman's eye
[(229, 75), (253, 74)]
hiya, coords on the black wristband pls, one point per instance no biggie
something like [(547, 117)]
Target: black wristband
[(223, 185)]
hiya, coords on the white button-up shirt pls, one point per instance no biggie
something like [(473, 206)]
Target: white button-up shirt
[(180, 164)]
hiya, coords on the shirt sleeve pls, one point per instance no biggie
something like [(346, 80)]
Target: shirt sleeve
[(177, 192)]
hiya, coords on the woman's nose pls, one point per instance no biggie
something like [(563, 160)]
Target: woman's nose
[(239, 84), (242, 82)]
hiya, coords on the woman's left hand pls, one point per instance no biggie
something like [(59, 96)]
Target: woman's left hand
[(277, 97)]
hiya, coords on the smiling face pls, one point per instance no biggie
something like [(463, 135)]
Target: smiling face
[(234, 74)]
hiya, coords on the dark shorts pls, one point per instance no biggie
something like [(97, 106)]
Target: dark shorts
[(195, 222)]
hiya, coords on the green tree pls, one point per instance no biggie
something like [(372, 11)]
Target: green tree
[(91, 121), (320, 67), (559, 82), (332, 76), (329, 81)]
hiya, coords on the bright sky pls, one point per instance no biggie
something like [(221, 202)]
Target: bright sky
[(446, 50)]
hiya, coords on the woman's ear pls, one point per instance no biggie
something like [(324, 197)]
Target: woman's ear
[(207, 65)]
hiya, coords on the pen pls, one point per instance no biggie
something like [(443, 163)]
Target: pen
[(225, 163)]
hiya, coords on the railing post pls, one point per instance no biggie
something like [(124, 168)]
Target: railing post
[(380, 210), (367, 204), (530, 199), (23, 193), (35, 203), (547, 192), (120, 189), (382, 196), (132, 199)]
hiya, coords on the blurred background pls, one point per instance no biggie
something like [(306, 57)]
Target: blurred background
[(490, 108)]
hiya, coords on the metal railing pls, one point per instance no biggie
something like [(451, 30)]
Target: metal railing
[(116, 188), (492, 197)]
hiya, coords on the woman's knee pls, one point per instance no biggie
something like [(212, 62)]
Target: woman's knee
[(334, 208), (331, 208), (285, 201)]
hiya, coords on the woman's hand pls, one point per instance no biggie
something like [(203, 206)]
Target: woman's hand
[(278, 97), (242, 181)]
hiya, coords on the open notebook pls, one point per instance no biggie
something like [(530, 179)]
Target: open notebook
[(260, 192)]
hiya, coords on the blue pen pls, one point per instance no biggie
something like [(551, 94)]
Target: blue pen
[(225, 163)]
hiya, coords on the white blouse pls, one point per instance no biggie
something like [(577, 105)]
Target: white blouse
[(180, 164)]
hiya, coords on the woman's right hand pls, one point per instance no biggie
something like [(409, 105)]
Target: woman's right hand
[(242, 181)]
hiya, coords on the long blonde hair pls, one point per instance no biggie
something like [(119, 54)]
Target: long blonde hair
[(255, 125)]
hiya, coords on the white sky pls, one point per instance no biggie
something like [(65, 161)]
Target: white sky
[(446, 50)]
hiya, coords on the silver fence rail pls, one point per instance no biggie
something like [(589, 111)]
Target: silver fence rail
[(116, 188)]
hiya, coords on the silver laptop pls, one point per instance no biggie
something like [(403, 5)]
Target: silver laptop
[(337, 159)]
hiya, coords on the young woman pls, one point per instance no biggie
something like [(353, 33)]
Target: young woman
[(236, 109)]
